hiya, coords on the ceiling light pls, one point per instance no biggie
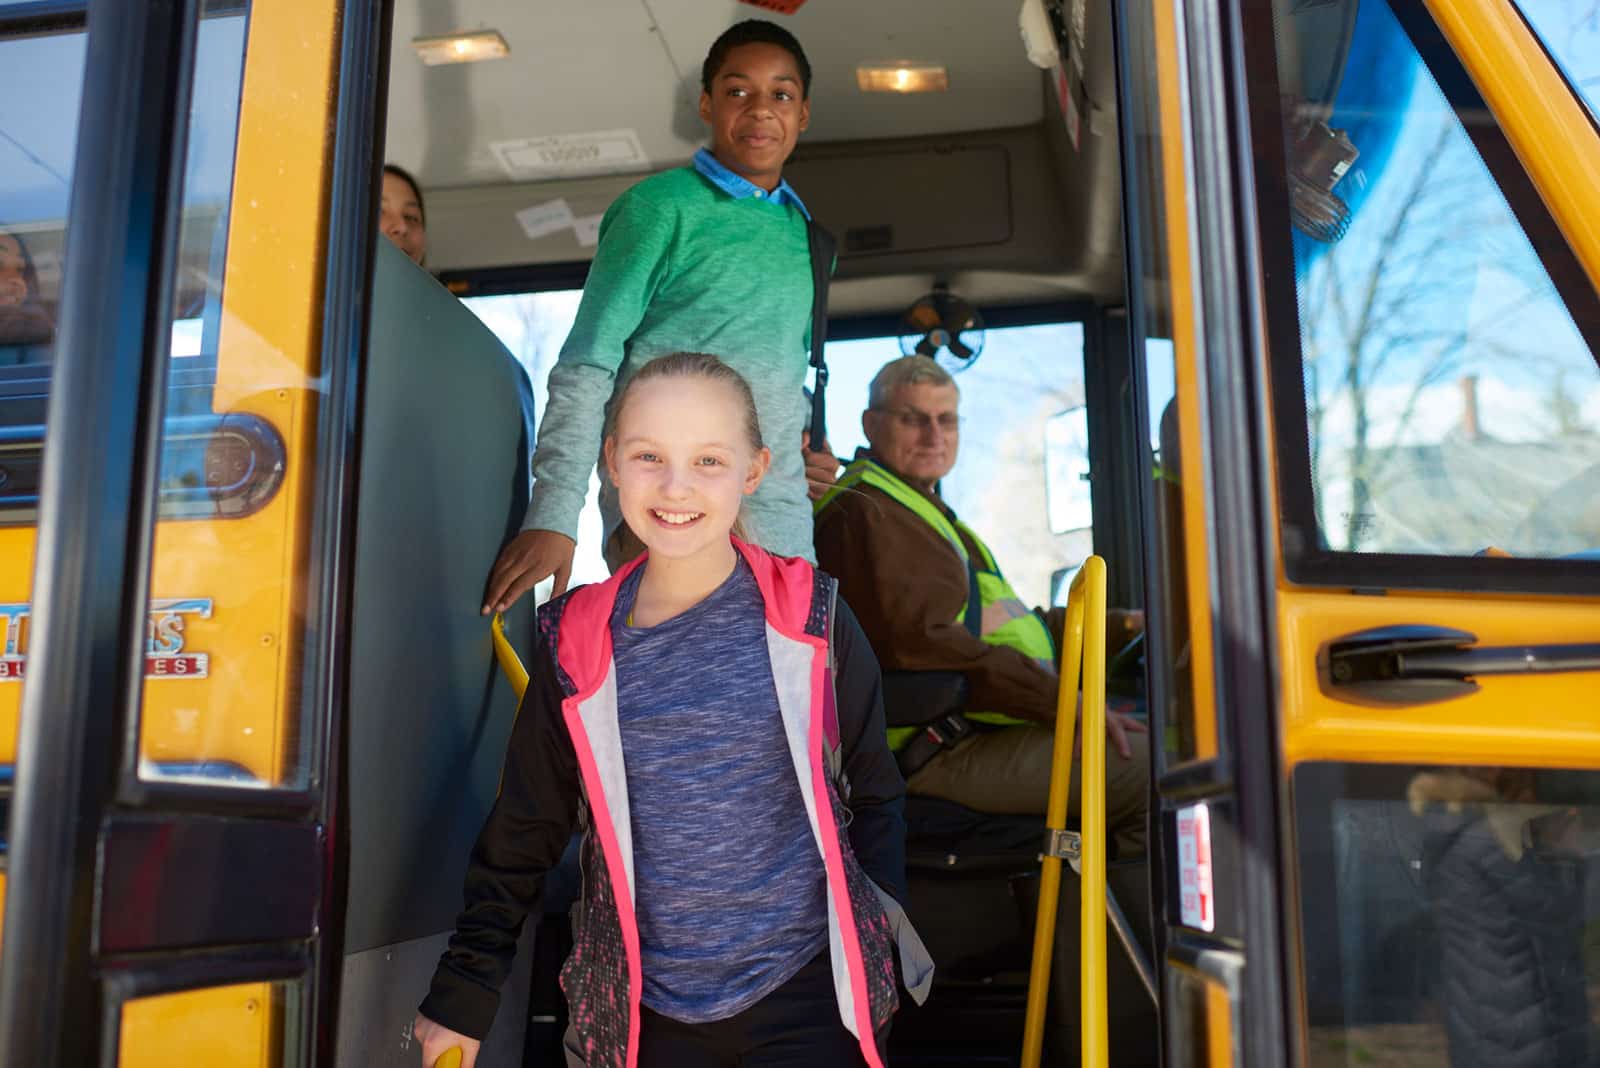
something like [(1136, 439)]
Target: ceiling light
[(902, 78), (461, 47)]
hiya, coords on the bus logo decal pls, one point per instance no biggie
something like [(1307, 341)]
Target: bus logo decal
[(166, 651)]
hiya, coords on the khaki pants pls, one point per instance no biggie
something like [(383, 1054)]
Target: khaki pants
[(1007, 772)]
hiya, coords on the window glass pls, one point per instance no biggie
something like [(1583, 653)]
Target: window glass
[(1452, 402), (1570, 29), (41, 81), (534, 326), (1449, 914), (1027, 379), (235, 602), (41, 84), (1174, 596)]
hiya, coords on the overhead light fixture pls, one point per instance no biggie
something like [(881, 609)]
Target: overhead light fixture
[(902, 78), (461, 47)]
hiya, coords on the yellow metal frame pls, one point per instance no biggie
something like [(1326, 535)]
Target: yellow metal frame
[(1083, 648), (1176, 182)]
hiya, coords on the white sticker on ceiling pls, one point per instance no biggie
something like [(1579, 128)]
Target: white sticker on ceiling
[(541, 220), (586, 228), (571, 155)]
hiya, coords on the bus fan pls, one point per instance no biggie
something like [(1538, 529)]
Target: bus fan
[(1318, 158), (945, 328)]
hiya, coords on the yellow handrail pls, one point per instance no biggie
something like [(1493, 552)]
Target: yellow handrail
[(510, 662), (1083, 651), (451, 1058)]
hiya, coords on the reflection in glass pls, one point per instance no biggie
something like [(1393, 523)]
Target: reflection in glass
[(1456, 916), (1452, 403), (241, 1026)]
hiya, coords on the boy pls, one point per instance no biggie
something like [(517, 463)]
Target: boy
[(707, 258)]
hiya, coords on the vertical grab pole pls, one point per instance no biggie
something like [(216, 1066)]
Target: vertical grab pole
[(1073, 653), (1096, 1032)]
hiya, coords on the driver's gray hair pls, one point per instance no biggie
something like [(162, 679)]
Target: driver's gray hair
[(906, 371)]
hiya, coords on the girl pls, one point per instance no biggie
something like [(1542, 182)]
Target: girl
[(717, 713)]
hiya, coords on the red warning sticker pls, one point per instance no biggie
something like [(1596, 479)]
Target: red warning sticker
[(1196, 899)]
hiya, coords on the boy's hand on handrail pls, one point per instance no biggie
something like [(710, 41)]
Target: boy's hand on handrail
[(822, 466), (527, 560), (437, 1040)]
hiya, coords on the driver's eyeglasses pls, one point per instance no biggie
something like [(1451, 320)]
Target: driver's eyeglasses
[(913, 419)]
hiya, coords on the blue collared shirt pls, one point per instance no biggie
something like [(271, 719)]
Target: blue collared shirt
[(739, 187)]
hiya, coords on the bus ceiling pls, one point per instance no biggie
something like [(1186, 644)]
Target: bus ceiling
[(1004, 185)]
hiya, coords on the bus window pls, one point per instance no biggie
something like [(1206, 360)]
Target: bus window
[(534, 326), (1455, 914), (1161, 323), (1026, 377), (240, 444), (1447, 337), (1570, 29), (41, 78)]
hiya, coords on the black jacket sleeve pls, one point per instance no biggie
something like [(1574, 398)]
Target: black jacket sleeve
[(523, 838), (877, 792)]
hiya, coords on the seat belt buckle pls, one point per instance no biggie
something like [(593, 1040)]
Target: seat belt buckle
[(948, 730)]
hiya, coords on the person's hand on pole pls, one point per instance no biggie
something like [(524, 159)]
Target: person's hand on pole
[(527, 560), (822, 466)]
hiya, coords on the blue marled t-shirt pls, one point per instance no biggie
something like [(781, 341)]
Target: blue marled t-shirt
[(729, 884)]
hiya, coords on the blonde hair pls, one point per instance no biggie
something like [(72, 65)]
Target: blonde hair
[(706, 368), (701, 365)]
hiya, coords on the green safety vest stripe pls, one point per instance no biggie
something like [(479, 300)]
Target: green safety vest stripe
[(1027, 633)]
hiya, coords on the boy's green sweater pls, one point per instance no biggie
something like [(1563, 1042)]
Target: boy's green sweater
[(684, 266)]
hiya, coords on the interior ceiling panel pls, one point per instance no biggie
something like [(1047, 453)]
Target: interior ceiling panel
[(591, 65)]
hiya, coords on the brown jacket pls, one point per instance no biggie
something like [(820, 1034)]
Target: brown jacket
[(908, 587)]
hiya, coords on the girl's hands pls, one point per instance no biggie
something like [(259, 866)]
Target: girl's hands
[(436, 1039)]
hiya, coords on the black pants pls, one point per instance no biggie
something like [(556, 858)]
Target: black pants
[(795, 1026)]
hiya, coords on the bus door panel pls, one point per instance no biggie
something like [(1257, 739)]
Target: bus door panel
[(1403, 327), (1208, 870)]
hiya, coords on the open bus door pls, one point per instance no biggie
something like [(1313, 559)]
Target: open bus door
[(1364, 255), (175, 451)]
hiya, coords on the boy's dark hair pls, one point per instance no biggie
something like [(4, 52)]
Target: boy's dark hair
[(754, 31), (405, 176)]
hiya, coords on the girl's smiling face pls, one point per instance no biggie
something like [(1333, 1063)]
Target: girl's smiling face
[(683, 463)]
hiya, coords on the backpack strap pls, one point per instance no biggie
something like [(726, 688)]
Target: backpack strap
[(823, 248)]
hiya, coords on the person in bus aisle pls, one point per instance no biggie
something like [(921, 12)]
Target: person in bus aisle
[(901, 557), (742, 805), (709, 256), (402, 218), (26, 330)]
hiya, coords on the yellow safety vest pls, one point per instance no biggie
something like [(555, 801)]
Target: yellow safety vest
[(1006, 619)]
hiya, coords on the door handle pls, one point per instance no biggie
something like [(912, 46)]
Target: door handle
[(1412, 663)]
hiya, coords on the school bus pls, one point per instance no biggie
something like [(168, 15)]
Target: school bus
[(1288, 311)]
